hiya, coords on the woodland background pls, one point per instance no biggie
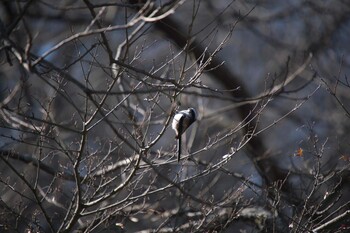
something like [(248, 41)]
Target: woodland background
[(88, 90)]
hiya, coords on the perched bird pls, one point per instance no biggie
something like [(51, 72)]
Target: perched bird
[(182, 120)]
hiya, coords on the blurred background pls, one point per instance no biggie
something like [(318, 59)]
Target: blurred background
[(88, 90)]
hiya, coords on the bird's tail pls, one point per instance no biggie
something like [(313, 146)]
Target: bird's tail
[(178, 148)]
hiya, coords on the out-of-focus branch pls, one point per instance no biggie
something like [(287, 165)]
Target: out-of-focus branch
[(25, 158), (335, 220)]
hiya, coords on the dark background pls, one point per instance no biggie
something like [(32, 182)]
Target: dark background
[(88, 90)]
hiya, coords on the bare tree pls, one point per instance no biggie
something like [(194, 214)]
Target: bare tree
[(89, 90)]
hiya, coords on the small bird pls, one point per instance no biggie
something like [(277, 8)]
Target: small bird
[(182, 120)]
